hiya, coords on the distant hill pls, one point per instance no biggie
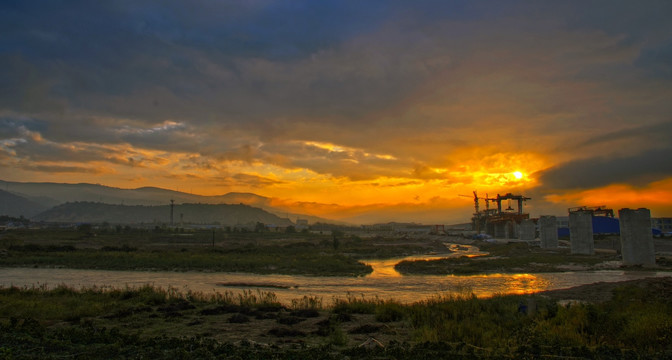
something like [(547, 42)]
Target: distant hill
[(15, 205), (52, 194), (223, 214)]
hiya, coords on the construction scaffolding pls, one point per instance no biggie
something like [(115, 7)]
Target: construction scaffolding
[(601, 210), (501, 223)]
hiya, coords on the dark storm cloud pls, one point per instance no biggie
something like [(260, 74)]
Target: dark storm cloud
[(638, 169), (229, 62), (17, 126), (398, 85), (217, 62), (636, 155), (647, 136), (657, 61), (171, 58)]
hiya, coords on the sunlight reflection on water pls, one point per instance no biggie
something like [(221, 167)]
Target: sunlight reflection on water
[(385, 267), (383, 283), (405, 289)]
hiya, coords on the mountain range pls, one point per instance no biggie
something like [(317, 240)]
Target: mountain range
[(30, 199), (15, 205), (222, 214)]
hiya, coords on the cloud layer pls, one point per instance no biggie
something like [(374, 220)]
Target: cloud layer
[(374, 105)]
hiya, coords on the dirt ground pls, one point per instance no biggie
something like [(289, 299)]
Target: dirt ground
[(603, 291)]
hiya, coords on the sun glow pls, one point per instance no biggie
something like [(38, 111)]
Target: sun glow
[(518, 175), (656, 195)]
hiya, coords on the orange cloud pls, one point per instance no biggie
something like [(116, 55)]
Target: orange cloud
[(657, 196)]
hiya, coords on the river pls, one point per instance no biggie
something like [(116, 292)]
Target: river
[(383, 283)]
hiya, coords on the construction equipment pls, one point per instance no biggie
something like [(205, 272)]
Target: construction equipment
[(601, 210), (475, 200), (477, 212), (496, 221)]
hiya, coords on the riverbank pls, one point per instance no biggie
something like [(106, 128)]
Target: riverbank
[(625, 320), (298, 253), (527, 257), (260, 253)]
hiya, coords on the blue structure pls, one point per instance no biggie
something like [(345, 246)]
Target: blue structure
[(602, 225)]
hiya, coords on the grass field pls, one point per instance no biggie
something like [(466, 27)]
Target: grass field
[(148, 322), (262, 253)]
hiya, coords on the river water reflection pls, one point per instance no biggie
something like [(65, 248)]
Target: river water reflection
[(384, 282), (385, 267), (405, 289)]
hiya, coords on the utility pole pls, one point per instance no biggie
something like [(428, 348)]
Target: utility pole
[(172, 206)]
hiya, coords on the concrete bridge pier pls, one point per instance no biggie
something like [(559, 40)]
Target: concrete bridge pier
[(636, 237), (527, 230), (548, 232), (581, 232)]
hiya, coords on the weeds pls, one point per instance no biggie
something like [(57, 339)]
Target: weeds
[(355, 305), (390, 311), (634, 324), (307, 303)]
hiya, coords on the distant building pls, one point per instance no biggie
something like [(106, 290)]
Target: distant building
[(379, 227), (414, 229), (301, 224), (664, 224)]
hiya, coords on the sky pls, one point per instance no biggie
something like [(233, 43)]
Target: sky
[(360, 111)]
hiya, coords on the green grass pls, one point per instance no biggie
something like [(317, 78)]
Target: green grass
[(262, 253), (261, 261)]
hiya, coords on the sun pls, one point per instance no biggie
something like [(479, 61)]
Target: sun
[(518, 175)]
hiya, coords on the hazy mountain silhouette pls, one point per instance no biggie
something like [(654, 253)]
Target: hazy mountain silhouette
[(48, 195), (223, 214), (15, 205)]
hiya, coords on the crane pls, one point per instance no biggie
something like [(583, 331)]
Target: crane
[(477, 214), (475, 200)]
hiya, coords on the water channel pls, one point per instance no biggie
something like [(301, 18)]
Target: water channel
[(383, 283)]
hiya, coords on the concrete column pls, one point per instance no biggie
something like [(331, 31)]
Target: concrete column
[(548, 232), (490, 229), (510, 230), (636, 237), (527, 230), (581, 232), (500, 232)]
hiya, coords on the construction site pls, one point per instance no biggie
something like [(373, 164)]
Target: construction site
[(498, 222), (633, 227)]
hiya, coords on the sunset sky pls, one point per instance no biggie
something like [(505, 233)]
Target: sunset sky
[(362, 111)]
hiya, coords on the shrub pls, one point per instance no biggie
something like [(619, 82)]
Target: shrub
[(389, 312)]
